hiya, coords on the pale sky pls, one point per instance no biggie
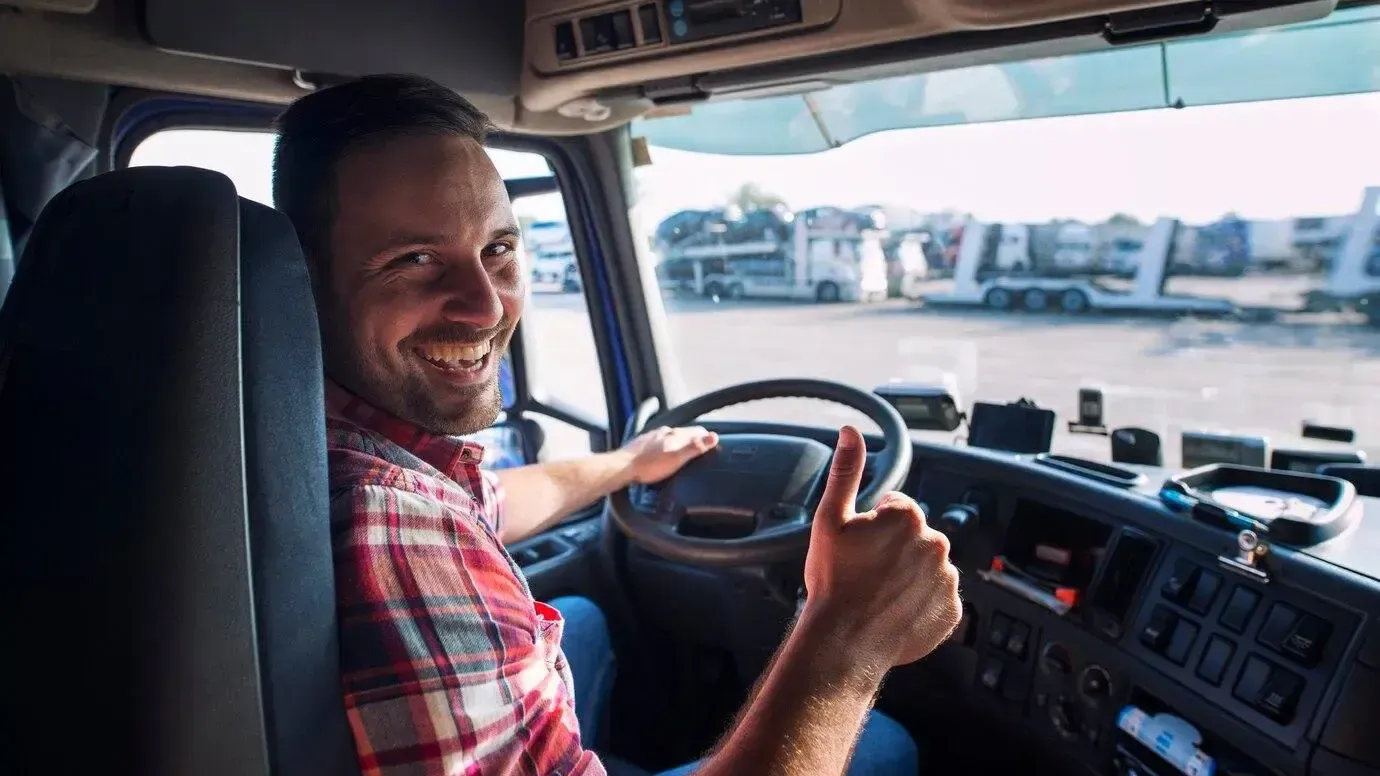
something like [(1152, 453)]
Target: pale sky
[(1261, 160)]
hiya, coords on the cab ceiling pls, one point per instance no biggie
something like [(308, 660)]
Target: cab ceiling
[(519, 63)]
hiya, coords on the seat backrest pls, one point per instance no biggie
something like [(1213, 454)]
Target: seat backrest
[(167, 543)]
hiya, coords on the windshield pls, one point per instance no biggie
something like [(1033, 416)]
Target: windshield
[(1192, 264)]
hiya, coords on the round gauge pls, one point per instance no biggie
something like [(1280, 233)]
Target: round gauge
[(1095, 683), (1056, 660)]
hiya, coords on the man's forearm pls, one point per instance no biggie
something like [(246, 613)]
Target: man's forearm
[(806, 714), (543, 493)]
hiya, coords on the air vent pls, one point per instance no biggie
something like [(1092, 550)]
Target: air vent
[(1123, 572)]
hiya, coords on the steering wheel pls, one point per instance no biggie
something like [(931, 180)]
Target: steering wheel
[(750, 500)]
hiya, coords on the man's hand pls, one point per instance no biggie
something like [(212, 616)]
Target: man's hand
[(881, 593), (541, 494), (659, 453), (879, 582)]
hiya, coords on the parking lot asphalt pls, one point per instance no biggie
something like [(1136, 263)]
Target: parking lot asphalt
[(1165, 375)]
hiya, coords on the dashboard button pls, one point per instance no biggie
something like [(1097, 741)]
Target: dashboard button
[(1185, 633), (565, 41), (1237, 613), (622, 30), (1159, 629), (1280, 695), (1204, 592), (1305, 644), (1066, 717), (596, 32), (1018, 640), (996, 635), (1279, 623), (651, 23), (1180, 583), (1213, 664), (1251, 681), (991, 674)]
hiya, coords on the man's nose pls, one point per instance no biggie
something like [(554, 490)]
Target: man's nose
[(471, 297)]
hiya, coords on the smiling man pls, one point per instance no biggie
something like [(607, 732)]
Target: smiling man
[(412, 246), (449, 666)]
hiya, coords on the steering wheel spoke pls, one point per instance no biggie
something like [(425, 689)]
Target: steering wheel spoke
[(749, 501)]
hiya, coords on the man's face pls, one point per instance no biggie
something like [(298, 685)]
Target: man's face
[(424, 286)]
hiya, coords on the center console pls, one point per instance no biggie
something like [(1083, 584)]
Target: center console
[(1122, 631)]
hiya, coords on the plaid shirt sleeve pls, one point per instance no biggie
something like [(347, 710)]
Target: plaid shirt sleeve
[(447, 668)]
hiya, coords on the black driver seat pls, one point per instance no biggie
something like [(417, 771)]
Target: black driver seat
[(169, 588)]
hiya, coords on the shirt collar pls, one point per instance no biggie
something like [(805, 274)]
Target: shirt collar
[(448, 454)]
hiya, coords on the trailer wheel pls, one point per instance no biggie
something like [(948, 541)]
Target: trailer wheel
[(827, 292), (714, 290), (735, 291), (1073, 301), (1036, 300), (999, 299)]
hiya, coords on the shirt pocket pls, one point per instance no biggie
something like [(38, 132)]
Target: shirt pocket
[(550, 628)]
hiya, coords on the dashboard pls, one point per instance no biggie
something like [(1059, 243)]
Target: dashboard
[(1102, 627), (1127, 633)]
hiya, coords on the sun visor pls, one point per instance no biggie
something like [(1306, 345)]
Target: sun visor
[(469, 45)]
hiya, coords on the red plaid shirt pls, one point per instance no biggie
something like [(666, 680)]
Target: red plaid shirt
[(448, 665)]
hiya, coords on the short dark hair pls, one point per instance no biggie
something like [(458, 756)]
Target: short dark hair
[(318, 130)]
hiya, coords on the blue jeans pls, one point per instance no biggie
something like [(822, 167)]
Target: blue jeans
[(883, 749)]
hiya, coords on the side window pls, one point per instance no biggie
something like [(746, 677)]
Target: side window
[(561, 360)]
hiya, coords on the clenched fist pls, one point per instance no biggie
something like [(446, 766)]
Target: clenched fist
[(879, 581)]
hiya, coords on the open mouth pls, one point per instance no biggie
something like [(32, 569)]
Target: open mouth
[(457, 359)]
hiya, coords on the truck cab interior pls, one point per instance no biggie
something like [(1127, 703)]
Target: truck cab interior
[(167, 554)]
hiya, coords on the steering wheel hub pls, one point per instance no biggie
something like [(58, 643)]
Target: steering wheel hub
[(749, 483)]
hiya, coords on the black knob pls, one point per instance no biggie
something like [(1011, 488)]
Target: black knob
[(955, 519), (1095, 683), (955, 522)]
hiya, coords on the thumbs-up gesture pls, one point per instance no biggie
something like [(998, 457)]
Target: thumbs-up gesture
[(879, 581)]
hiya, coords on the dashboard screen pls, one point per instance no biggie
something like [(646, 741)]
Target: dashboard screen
[(1200, 448), (914, 407)]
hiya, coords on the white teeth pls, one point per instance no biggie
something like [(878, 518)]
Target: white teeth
[(460, 358)]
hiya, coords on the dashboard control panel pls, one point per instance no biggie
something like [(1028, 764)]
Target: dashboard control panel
[(1263, 652), (1153, 632), (631, 30), (1004, 670)]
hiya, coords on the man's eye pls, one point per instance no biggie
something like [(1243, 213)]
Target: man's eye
[(499, 249), (414, 259)]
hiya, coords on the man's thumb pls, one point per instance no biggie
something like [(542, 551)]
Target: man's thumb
[(845, 475)]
